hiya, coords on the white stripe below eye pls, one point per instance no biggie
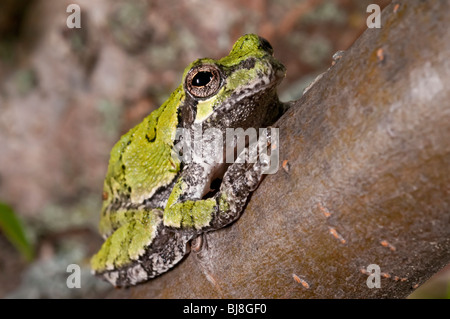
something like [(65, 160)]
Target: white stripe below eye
[(243, 92)]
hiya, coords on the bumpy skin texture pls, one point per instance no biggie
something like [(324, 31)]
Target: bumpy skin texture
[(153, 203)]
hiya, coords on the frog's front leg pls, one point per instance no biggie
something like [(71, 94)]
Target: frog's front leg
[(187, 211), (185, 208)]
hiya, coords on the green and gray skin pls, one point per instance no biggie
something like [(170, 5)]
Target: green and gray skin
[(153, 203)]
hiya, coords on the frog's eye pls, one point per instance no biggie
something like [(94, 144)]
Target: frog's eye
[(203, 81)]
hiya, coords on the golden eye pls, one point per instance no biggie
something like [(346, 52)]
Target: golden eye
[(203, 81)]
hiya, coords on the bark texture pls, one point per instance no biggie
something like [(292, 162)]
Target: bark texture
[(365, 180)]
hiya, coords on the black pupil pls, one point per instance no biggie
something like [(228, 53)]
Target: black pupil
[(202, 78)]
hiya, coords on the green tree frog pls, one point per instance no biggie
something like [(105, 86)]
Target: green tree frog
[(154, 204)]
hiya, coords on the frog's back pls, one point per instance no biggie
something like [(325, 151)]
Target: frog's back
[(141, 160)]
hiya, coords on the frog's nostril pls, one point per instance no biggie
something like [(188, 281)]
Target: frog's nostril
[(265, 45)]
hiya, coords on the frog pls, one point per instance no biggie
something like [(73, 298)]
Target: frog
[(155, 203)]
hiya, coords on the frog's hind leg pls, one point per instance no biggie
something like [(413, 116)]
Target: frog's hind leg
[(139, 250)]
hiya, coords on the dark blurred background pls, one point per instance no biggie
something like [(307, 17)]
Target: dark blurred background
[(66, 96)]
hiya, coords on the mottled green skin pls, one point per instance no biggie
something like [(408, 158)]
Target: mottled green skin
[(141, 166), (137, 170), (128, 241)]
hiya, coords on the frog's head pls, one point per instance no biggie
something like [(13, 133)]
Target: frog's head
[(238, 90)]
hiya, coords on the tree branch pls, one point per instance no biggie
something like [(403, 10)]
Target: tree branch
[(367, 180)]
